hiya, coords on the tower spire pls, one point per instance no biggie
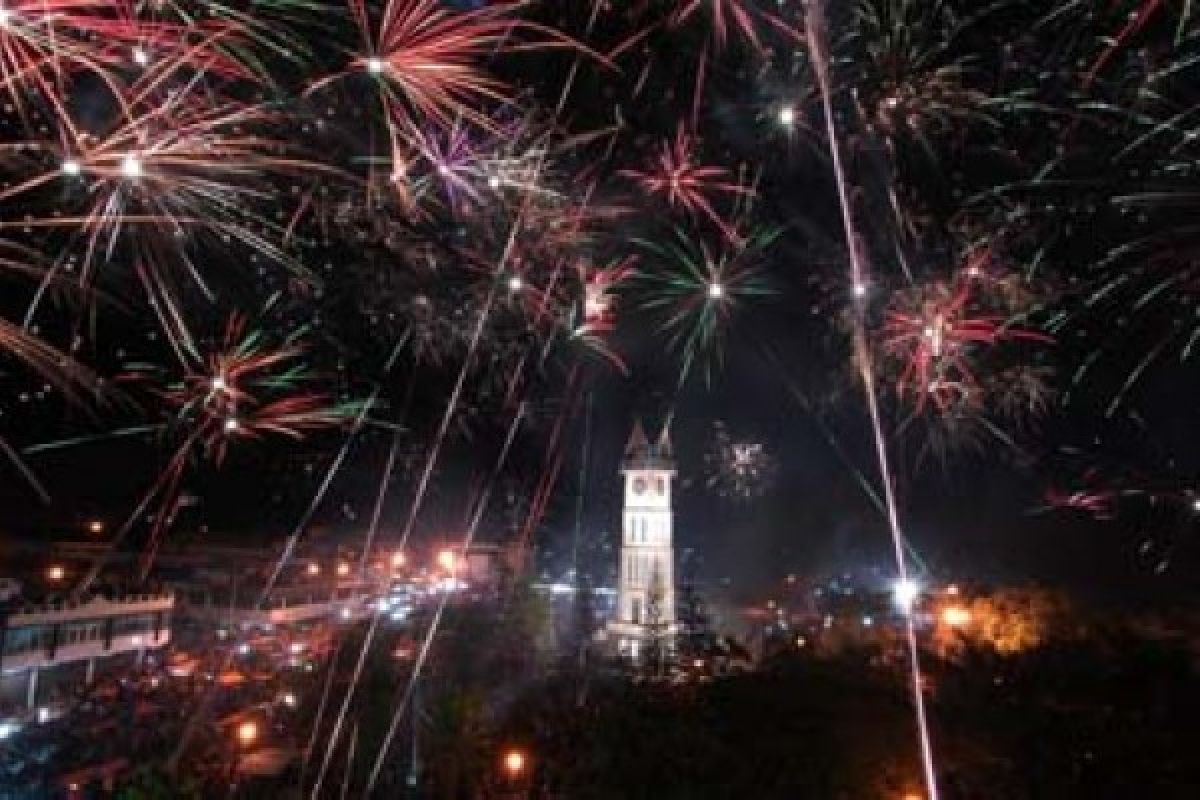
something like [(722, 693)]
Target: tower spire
[(638, 444), (664, 442)]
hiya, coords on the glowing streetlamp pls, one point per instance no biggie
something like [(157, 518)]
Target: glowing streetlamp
[(313, 569), (343, 569), (399, 559), (247, 733), (514, 763), (787, 116), (96, 527), (56, 573), (447, 560)]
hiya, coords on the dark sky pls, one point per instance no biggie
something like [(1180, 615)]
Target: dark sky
[(779, 374)]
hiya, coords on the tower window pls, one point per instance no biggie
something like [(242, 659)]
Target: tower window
[(635, 610)]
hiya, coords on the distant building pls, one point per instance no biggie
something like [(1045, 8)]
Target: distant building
[(39, 640), (645, 613)]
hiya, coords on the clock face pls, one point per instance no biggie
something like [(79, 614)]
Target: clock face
[(639, 485)]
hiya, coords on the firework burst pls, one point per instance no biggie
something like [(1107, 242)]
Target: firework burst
[(697, 289), (736, 468), (675, 176)]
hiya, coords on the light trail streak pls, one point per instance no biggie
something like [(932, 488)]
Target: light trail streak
[(418, 500), (468, 538), (285, 555), (816, 31)]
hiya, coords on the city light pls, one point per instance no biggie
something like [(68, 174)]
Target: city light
[(904, 594), (289, 699), (43, 715), (247, 732), (343, 569), (515, 283), (56, 573), (313, 569), (447, 560), (131, 166), (514, 763), (956, 616), (398, 559), (96, 526), (71, 167), (787, 116), (8, 728)]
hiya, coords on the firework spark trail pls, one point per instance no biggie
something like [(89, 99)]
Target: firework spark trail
[(166, 479), (816, 31), (320, 715), (579, 497), (423, 484), (335, 733), (373, 628), (285, 556), (468, 539)]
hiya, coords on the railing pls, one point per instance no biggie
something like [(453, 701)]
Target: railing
[(96, 605)]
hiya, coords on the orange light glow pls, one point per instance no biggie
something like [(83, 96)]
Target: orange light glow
[(514, 762), (247, 732)]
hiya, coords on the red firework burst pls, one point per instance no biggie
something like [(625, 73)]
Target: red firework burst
[(675, 176), (247, 389), (429, 59), (935, 332), (725, 15)]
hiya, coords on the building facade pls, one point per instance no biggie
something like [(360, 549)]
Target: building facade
[(645, 612), (36, 639)]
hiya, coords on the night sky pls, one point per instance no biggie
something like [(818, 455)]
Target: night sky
[(1031, 144)]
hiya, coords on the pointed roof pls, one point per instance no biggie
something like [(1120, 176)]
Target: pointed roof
[(640, 453), (664, 442), (638, 444)]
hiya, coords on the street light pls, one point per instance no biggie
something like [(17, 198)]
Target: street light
[(247, 733), (314, 569), (446, 560), (343, 569), (399, 559), (514, 763), (56, 573), (96, 526)]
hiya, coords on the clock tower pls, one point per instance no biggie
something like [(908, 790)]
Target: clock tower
[(646, 590)]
